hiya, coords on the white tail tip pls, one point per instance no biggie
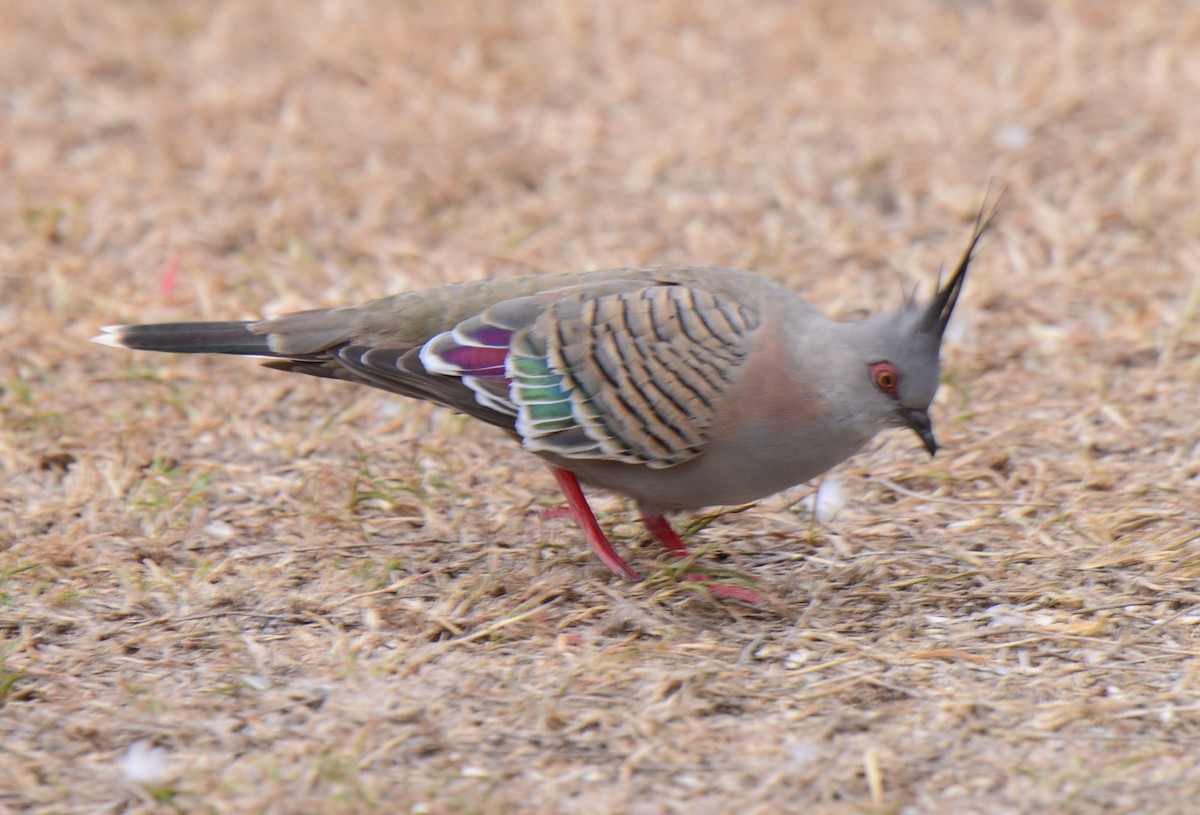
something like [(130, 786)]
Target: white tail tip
[(111, 335)]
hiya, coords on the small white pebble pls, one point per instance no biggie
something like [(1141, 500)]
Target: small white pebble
[(1012, 136), (1002, 615), (389, 409), (221, 531), (801, 751), (828, 499), (144, 764), (475, 772), (797, 658)]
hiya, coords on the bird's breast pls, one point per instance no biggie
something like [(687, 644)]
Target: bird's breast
[(775, 427)]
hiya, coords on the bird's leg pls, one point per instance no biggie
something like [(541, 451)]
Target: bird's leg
[(664, 533), (659, 527), (587, 522)]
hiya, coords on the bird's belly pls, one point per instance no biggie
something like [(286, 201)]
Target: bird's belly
[(734, 472)]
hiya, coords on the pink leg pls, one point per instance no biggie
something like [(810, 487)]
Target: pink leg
[(661, 529), (587, 522), (664, 533)]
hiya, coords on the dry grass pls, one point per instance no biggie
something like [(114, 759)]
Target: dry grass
[(312, 598)]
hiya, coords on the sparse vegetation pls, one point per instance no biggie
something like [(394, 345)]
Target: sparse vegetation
[(297, 596)]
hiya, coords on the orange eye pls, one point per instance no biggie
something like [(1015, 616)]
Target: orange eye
[(885, 377)]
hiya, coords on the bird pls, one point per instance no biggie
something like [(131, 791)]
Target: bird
[(677, 387)]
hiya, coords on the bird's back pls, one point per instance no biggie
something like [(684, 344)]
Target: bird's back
[(412, 318)]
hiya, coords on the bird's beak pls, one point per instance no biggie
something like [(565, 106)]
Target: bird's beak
[(918, 421)]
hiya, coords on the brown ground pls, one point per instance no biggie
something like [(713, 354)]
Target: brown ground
[(306, 597)]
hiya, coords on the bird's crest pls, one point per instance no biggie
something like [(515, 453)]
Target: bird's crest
[(937, 313)]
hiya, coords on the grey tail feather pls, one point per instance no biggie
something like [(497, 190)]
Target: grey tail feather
[(188, 338)]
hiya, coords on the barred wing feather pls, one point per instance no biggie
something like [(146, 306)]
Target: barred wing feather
[(634, 375)]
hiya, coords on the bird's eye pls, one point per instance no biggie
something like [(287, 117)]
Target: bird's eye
[(885, 377)]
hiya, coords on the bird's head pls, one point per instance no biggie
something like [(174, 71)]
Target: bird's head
[(898, 351)]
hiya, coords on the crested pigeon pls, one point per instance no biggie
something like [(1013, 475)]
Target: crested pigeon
[(680, 388)]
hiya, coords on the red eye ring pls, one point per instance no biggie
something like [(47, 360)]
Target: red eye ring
[(884, 375)]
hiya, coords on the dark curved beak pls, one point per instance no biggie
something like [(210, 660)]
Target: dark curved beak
[(918, 421)]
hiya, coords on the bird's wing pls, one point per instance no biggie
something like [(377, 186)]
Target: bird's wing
[(631, 372)]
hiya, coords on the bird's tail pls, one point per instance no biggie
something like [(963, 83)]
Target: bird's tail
[(188, 338)]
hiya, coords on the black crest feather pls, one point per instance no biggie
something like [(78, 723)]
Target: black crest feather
[(937, 315)]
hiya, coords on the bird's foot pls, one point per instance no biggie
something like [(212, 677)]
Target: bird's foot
[(664, 533), (725, 590), (551, 513), (578, 506), (658, 526)]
